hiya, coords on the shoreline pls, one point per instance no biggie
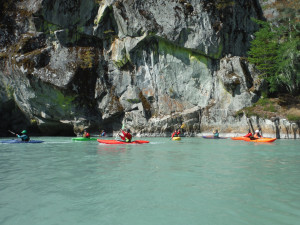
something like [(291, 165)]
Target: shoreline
[(227, 135)]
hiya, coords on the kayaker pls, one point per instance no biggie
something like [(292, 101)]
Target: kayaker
[(176, 133), (249, 134), (24, 136), (257, 134), (86, 134), (102, 133), (216, 134), (126, 135)]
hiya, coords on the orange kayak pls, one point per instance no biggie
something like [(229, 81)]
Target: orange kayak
[(254, 140), (261, 140), (239, 138)]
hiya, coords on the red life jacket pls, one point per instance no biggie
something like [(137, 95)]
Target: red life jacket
[(248, 135), (127, 136), (175, 133)]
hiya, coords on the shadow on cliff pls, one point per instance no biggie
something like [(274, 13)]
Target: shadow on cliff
[(12, 118)]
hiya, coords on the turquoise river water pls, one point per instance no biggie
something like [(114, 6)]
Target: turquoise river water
[(189, 182)]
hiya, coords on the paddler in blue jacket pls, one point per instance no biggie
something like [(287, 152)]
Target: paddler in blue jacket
[(102, 133), (24, 136), (216, 134)]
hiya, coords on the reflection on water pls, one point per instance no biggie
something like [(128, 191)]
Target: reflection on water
[(106, 149)]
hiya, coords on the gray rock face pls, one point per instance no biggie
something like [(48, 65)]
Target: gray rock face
[(151, 65), (207, 27)]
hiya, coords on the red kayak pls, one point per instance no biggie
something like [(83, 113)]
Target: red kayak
[(116, 142), (254, 140)]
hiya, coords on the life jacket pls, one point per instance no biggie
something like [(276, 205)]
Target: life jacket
[(127, 136), (24, 137), (248, 135), (87, 135), (175, 133), (256, 135)]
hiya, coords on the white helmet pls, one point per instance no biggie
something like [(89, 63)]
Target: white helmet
[(257, 131)]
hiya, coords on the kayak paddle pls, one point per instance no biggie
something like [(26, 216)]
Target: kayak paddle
[(11, 132)]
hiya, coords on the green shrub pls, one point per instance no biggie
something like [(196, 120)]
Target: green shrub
[(292, 117), (263, 102)]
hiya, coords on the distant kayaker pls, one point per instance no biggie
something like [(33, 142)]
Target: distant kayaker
[(257, 134), (216, 134), (249, 134), (24, 136), (102, 133), (176, 133), (86, 134), (126, 135)]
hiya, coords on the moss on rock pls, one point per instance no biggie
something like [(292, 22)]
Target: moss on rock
[(165, 47)]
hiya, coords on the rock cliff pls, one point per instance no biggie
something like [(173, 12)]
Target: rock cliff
[(151, 65)]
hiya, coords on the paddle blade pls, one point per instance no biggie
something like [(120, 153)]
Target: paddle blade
[(11, 132)]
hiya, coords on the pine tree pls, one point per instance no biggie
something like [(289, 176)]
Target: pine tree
[(287, 28), (288, 72), (275, 49), (263, 51)]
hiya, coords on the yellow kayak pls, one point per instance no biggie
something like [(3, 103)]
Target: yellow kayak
[(176, 138)]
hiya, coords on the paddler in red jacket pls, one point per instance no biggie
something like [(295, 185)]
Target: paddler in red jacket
[(126, 135), (86, 134), (249, 134), (176, 133)]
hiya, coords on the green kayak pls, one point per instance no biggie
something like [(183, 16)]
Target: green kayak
[(84, 139)]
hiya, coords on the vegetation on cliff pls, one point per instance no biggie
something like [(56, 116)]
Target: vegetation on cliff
[(275, 49), (275, 53), (285, 106)]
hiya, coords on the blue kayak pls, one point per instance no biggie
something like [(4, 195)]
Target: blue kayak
[(13, 141), (212, 137)]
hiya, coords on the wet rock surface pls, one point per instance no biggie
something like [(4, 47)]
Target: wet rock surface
[(151, 65)]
